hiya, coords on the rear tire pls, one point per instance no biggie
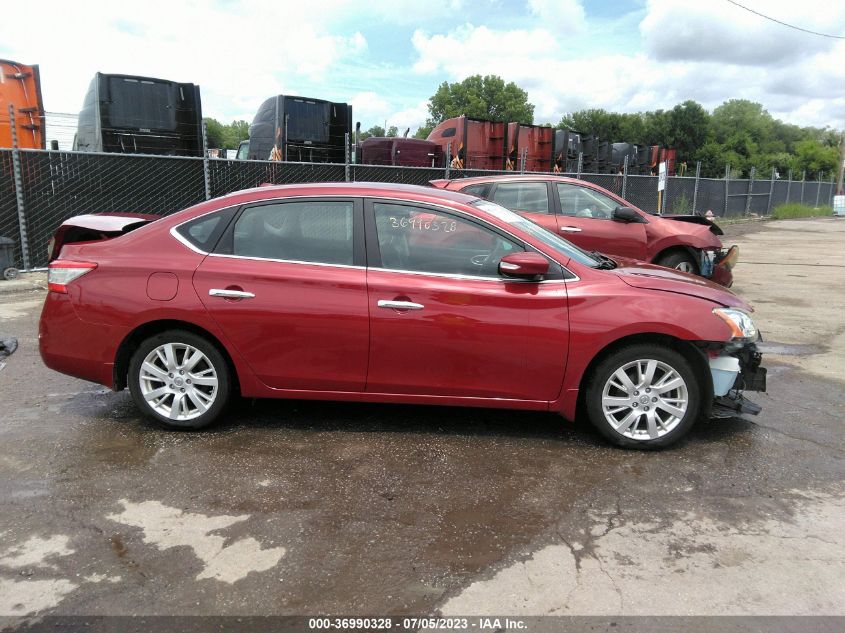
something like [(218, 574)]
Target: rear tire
[(180, 380), (11, 273), (644, 396), (679, 261)]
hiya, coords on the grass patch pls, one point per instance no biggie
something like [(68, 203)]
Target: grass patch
[(795, 210)]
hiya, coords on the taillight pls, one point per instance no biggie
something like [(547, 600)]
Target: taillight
[(62, 272)]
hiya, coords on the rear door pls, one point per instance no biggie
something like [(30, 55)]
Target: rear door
[(585, 218), (287, 285)]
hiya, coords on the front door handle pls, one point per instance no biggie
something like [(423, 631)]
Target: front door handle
[(230, 294), (570, 229), (400, 305)]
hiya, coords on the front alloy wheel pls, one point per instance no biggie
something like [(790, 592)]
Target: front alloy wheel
[(643, 397), (179, 379)]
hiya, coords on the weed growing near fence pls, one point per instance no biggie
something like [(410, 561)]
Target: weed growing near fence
[(794, 210)]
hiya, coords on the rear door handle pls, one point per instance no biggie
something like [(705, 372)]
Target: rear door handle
[(400, 305), (230, 294), (570, 229)]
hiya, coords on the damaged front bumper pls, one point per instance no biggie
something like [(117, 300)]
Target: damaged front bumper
[(735, 370), (717, 265)]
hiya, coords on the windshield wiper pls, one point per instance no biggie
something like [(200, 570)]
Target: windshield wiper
[(605, 263)]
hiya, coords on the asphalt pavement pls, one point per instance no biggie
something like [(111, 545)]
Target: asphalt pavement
[(293, 507)]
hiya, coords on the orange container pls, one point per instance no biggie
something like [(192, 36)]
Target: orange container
[(20, 86)]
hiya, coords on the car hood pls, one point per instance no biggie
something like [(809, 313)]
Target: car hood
[(648, 276)]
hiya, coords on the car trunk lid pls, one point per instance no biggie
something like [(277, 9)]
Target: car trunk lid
[(94, 228)]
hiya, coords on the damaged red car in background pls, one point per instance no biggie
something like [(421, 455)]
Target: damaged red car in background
[(596, 219)]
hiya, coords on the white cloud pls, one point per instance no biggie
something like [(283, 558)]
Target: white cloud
[(563, 16), (720, 31), (412, 117), (804, 87)]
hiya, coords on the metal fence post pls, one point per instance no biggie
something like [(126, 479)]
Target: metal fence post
[(818, 187), (448, 158), (522, 160), (830, 193), (695, 189), (625, 176), (346, 156), (727, 187), (771, 192), (788, 186), (206, 172), (580, 165), (16, 167), (750, 190), (803, 180)]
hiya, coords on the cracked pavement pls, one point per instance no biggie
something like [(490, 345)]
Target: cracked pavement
[(307, 507)]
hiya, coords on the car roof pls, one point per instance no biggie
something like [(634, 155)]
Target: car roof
[(516, 177), (355, 189)]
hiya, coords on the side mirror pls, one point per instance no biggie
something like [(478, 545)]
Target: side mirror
[(626, 214), (524, 266)]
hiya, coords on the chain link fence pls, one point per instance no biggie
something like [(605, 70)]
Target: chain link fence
[(56, 185)]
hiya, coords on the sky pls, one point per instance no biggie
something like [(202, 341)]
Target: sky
[(387, 57)]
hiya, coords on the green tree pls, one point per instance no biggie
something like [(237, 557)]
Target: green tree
[(235, 132), (214, 132), (487, 97), (423, 132), (689, 129)]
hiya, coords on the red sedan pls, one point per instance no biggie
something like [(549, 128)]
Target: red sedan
[(598, 220), (388, 293)]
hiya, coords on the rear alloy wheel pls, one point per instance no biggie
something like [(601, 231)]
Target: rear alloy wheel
[(180, 380), (643, 396), (679, 261)]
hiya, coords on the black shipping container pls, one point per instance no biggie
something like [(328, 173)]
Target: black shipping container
[(300, 129), (139, 115)]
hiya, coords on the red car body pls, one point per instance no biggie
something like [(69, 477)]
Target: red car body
[(315, 331), (652, 238)]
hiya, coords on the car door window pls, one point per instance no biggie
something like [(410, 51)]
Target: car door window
[(318, 231), (423, 240), (477, 190), (531, 197), (583, 202)]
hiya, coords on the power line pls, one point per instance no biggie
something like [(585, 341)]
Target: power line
[(791, 26)]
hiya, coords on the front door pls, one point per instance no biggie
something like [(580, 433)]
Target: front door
[(443, 322), (586, 220), (287, 286)]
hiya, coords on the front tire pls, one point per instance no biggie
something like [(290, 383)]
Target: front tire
[(643, 397), (679, 261), (180, 380)]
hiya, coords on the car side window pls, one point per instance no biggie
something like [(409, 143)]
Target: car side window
[(583, 202), (428, 241), (204, 231), (531, 197), (481, 190), (318, 231)]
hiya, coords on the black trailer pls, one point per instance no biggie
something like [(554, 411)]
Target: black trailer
[(300, 129), (140, 115)]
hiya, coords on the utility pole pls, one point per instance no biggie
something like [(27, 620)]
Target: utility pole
[(839, 190)]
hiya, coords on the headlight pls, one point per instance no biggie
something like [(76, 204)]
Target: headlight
[(741, 324)]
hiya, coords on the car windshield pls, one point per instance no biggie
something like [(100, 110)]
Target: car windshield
[(558, 244)]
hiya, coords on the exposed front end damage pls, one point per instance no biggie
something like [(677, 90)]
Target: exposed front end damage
[(736, 368), (717, 265)]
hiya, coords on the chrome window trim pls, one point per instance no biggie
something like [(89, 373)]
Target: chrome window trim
[(284, 261), (506, 280), (185, 242)]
